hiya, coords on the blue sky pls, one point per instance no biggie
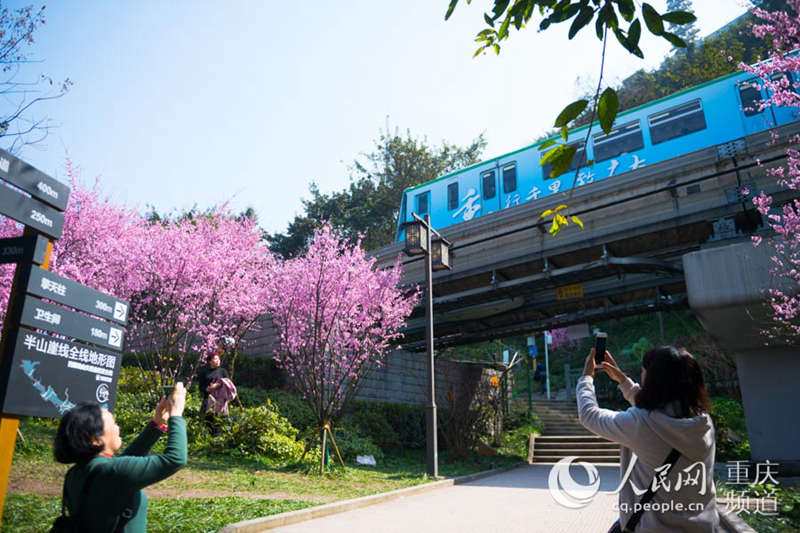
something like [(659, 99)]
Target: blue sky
[(181, 103)]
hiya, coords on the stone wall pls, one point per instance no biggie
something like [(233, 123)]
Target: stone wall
[(403, 378)]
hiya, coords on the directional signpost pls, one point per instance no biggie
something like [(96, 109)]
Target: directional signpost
[(61, 341), (30, 249)]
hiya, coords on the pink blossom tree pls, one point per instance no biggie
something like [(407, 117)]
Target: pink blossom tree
[(199, 280), (336, 315), (191, 282), (783, 30)]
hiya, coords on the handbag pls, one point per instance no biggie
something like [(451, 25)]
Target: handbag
[(669, 462)]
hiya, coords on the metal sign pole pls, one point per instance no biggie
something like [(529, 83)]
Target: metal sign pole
[(9, 424)]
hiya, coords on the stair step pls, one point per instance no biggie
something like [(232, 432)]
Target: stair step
[(574, 451), (613, 459), (560, 445)]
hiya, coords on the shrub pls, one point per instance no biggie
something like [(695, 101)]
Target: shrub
[(727, 413), (294, 408), (256, 371), (517, 440), (518, 418), (351, 444), (374, 424), (391, 425), (252, 396), (132, 381), (253, 431)]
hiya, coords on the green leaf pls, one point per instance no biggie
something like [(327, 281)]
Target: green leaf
[(583, 18), (488, 20), (570, 112), (674, 39), (551, 155), (607, 109), (496, 49), (627, 9), (599, 28), (577, 221), (635, 32), (559, 208), (499, 8), (652, 19), (547, 144), (450, 9), (546, 213), (679, 17), (502, 33), (562, 220), (562, 160), (564, 132)]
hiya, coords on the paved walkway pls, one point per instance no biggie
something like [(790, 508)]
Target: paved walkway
[(511, 502)]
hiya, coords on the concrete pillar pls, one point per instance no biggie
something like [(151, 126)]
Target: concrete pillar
[(726, 288)]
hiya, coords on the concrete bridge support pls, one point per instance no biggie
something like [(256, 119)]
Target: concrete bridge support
[(726, 287)]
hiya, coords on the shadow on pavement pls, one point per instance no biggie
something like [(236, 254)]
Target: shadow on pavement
[(536, 477)]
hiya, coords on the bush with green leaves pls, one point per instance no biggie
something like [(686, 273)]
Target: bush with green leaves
[(251, 432), (352, 443), (728, 417), (294, 408), (391, 425)]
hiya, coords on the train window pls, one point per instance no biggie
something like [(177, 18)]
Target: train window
[(509, 178), (751, 96), (780, 76), (452, 196), (677, 122), (422, 203), (489, 189), (621, 140), (580, 157)]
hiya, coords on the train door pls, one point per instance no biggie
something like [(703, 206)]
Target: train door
[(783, 114), (508, 178), (490, 199), (750, 93)]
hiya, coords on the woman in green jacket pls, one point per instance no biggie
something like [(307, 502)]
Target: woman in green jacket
[(103, 492)]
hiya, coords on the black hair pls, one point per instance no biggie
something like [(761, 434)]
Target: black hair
[(79, 428), (673, 375)]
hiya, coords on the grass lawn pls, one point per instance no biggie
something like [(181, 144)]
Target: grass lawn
[(216, 490)]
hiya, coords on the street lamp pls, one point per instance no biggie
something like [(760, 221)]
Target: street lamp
[(437, 257)]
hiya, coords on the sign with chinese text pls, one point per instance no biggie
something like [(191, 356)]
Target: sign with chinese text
[(48, 376), (567, 292), (45, 284), (51, 317)]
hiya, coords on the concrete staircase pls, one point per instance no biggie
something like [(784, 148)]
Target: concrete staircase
[(564, 436)]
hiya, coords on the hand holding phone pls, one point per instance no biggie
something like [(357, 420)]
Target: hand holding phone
[(600, 341), (167, 390)]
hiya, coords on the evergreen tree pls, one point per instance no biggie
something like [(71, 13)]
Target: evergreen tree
[(687, 32)]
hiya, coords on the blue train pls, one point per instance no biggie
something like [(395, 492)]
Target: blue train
[(712, 113)]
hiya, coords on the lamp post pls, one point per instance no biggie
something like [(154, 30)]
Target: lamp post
[(437, 257)]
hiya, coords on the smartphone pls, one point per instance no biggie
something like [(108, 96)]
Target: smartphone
[(167, 390), (600, 347)]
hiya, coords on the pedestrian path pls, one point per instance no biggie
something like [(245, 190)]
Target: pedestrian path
[(514, 501)]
